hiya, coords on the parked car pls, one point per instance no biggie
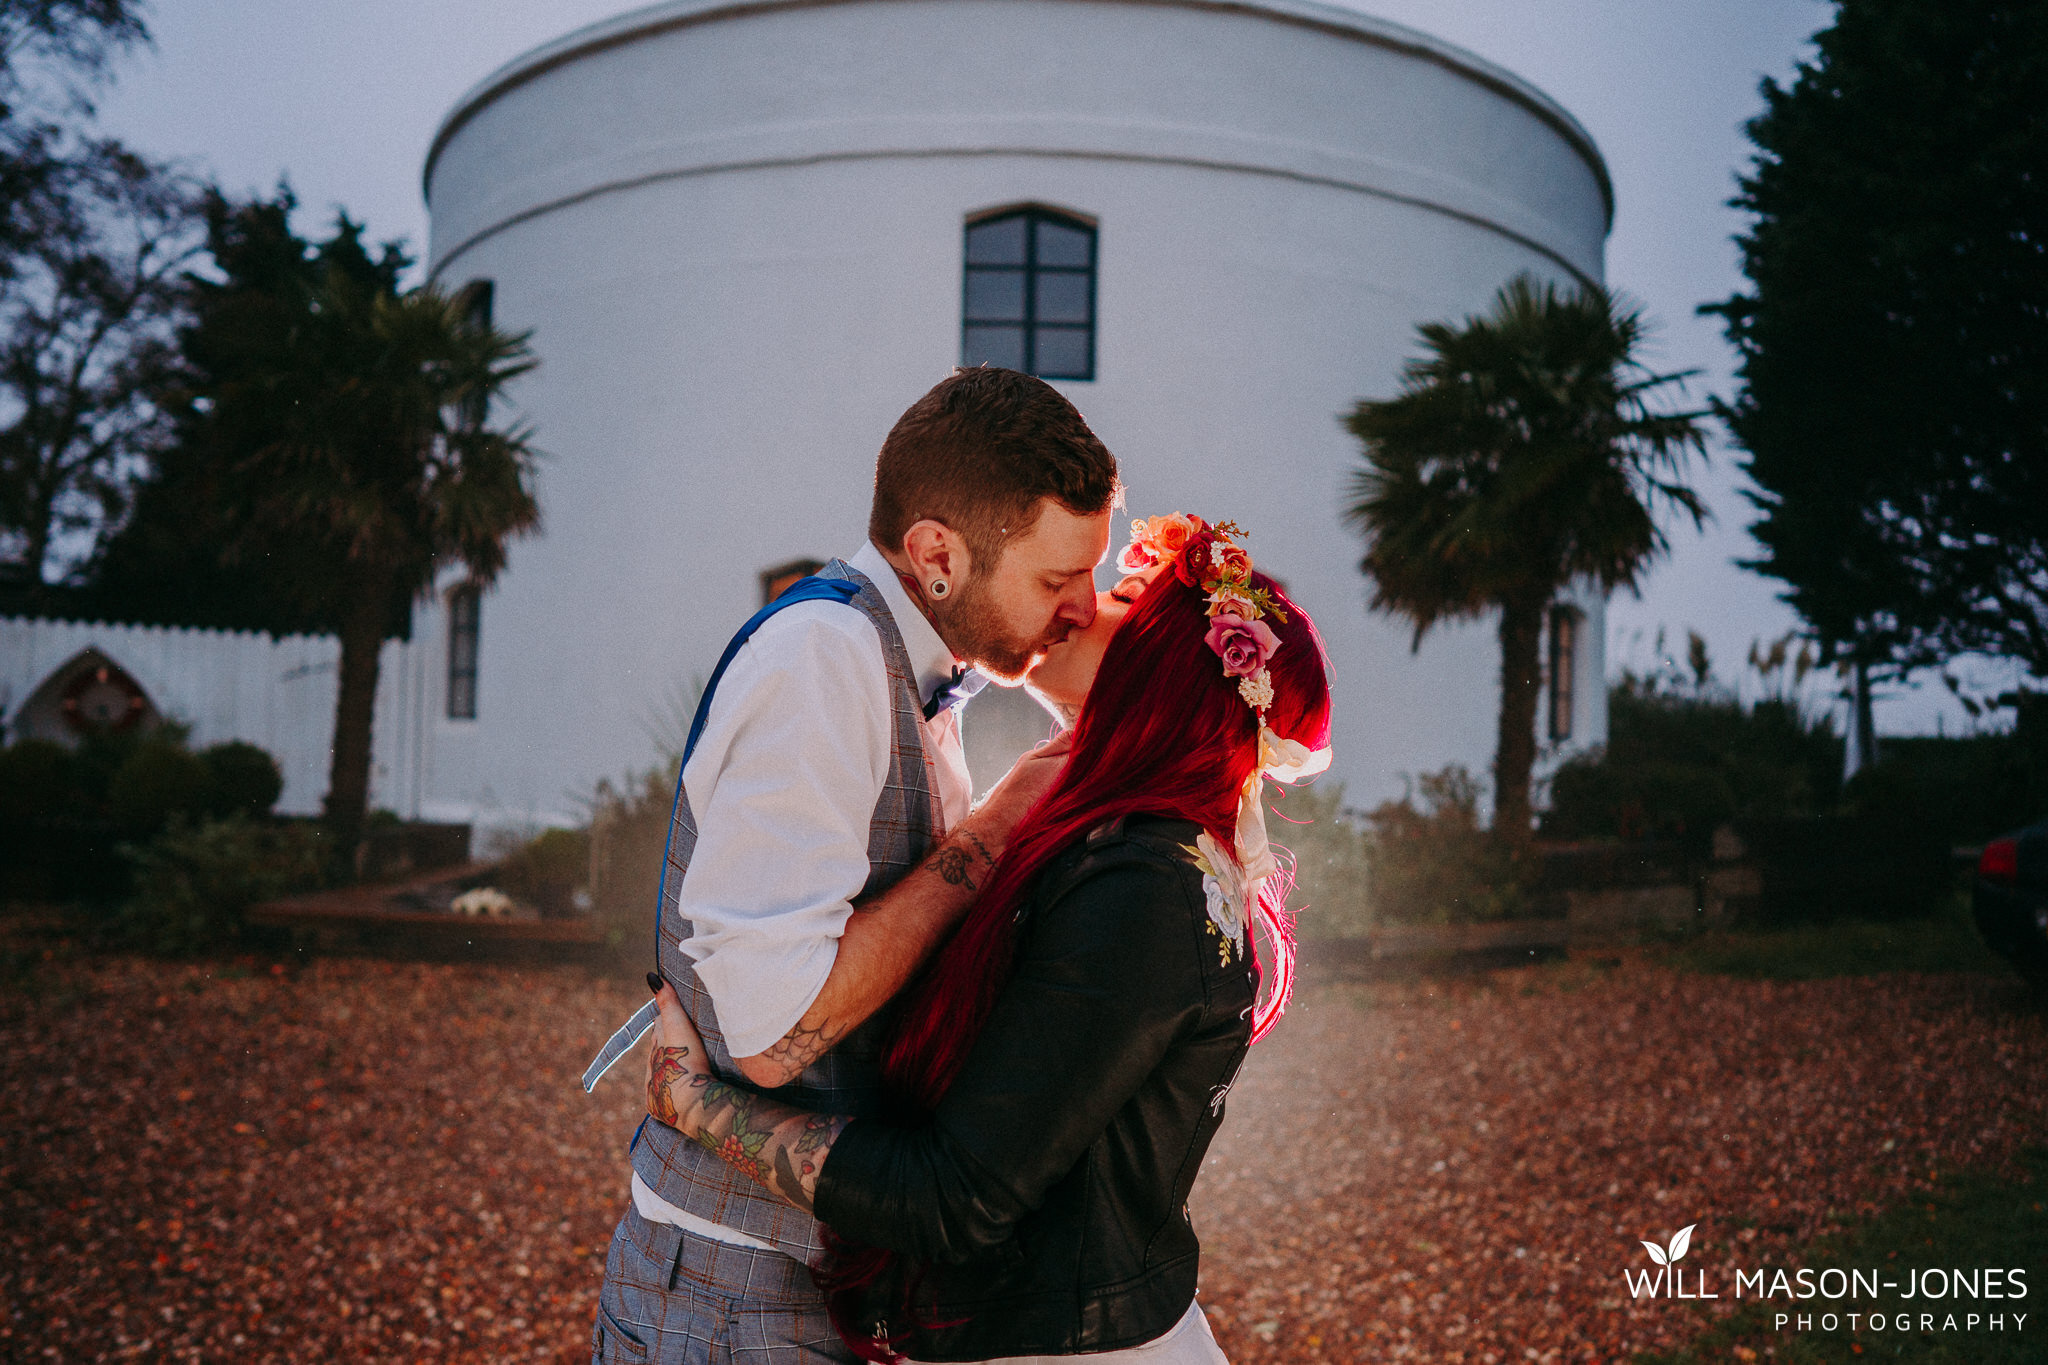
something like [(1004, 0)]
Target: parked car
[(2010, 899)]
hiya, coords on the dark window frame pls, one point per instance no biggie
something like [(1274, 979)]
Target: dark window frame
[(1029, 327), (478, 301), (465, 645), (1561, 682)]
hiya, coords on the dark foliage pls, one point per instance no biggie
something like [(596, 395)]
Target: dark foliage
[(1678, 764), (1894, 342), (333, 454), (93, 240), (65, 813)]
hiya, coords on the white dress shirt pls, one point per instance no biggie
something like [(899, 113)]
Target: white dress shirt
[(783, 782)]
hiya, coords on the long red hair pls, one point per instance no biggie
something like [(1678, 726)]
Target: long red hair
[(1163, 732)]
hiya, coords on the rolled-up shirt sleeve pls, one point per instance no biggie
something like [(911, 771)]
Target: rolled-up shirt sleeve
[(783, 785)]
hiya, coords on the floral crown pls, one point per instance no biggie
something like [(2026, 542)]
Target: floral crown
[(1210, 558)]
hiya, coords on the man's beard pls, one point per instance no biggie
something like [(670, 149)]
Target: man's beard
[(976, 632)]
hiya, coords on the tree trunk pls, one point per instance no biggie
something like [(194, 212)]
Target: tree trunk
[(1521, 681), (355, 707)]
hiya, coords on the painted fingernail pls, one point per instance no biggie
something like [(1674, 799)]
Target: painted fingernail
[(654, 982)]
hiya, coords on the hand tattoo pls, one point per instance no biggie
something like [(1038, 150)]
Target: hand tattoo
[(668, 1067)]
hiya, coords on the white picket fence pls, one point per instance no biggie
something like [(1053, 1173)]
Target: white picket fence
[(276, 693)]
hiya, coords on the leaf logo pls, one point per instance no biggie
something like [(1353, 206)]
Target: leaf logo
[(1679, 1242)]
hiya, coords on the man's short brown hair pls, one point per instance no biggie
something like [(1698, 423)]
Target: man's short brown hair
[(978, 453)]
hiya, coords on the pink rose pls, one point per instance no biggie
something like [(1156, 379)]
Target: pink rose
[(1244, 646)]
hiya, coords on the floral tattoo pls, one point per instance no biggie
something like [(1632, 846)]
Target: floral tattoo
[(668, 1067)]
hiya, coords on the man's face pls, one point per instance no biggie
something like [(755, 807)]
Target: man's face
[(1042, 589)]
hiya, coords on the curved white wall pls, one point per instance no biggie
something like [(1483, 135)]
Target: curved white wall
[(736, 235)]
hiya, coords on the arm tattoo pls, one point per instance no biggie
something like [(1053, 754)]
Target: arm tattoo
[(801, 1046), (955, 864), (776, 1145), (668, 1067), (952, 865)]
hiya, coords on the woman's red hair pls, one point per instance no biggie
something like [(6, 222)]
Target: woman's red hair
[(1163, 732)]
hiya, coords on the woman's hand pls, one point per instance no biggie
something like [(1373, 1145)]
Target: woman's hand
[(675, 1062)]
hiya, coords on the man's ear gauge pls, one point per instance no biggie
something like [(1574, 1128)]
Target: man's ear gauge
[(940, 587)]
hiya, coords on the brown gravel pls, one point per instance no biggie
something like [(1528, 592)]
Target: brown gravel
[(1460, 1172), (372, 1161)]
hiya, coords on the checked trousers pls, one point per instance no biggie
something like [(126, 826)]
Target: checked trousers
[(672, 1298)]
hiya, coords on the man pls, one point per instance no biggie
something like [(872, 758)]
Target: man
[(823, 842)]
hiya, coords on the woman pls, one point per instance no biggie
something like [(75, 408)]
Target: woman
[(1059, 1072)]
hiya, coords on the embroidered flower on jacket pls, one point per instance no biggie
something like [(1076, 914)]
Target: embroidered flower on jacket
[(1223, 888)]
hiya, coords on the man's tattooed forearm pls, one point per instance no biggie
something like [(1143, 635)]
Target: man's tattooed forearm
[(955, 863), (777, 1146), (952, 865), (801, 1046)]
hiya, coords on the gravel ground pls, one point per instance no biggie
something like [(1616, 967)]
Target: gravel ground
[(374, 1161)]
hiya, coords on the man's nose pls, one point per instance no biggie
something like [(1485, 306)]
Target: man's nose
[(1079, 607)]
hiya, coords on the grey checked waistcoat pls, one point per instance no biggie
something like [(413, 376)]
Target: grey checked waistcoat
[(907, 821)]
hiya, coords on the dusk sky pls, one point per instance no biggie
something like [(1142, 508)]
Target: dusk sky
[(343, 100)]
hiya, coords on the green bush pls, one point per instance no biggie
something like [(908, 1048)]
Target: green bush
[(548, 870), (195, 882), (1329, 852), (1434, 864), (1679, 763), (37, 782), (241, 779), (628, 832), (159, 779)]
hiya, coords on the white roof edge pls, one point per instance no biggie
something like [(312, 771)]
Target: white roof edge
[(669, 14)]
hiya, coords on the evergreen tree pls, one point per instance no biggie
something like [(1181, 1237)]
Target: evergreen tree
[(1894, 339), (335, 451)]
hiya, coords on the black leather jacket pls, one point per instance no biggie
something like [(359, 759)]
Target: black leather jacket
[(1046, 1199)]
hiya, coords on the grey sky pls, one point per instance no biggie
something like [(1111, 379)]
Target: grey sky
[(343, 99)]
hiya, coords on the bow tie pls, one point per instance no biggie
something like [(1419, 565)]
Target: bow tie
[(955, 691)]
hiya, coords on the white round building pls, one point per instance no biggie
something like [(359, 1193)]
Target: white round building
[(746, 236)]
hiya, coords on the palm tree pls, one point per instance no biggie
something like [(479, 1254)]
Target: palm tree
[(1521, 455), (345, 425)]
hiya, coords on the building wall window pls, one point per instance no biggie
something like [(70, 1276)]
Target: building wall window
[(1564, 653), (477, 299), (1029, 301), (465, 619), (777, 581)]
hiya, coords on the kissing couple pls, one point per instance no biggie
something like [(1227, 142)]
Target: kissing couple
[(931, 1080)]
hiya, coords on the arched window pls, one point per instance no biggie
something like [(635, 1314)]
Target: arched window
[(1029, 300)]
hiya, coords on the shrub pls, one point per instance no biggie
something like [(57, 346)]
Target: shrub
[(195, 882), (1435, 865), (628, 832), (1329, 852), (1677, 764), (547, 871), (36, 781), (159, 778), (241, 779)]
